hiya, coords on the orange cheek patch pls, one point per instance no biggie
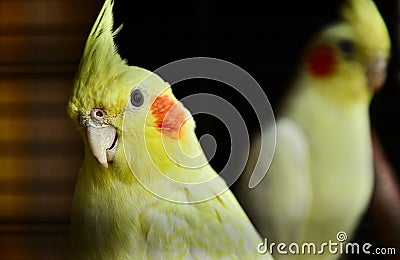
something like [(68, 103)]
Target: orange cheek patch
[(169, 116), (321, 61)]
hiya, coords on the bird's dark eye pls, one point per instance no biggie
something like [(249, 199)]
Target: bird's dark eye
[(346, 46), (137, 98)]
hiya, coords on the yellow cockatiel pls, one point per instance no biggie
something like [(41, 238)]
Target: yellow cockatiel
[(321, 177), (134, 131)]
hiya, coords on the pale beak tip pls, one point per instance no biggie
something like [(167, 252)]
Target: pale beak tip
[(99, 140), (104, 164), (101, 159)]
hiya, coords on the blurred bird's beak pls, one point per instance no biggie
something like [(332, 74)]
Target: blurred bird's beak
[(102, 142), (376, 73)]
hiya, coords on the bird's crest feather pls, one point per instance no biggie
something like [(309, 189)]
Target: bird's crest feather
[(100, 65), (366, 20)]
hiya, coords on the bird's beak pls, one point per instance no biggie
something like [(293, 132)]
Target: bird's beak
[(102, 142), (376, 73)]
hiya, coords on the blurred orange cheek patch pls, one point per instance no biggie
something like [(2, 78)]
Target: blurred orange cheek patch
[(321, 61), (169, 116)]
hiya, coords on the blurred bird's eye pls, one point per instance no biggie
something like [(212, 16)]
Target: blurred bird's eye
[(137, 98), (346, 46)]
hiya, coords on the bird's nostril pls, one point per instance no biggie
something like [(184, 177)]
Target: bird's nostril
[(99, 113)]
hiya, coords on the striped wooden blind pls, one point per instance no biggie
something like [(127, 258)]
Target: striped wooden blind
[(40, 152)]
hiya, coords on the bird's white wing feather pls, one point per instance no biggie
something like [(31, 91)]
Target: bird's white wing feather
[(278, 215)]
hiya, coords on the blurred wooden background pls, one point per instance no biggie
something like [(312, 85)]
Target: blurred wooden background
[(40, 46)]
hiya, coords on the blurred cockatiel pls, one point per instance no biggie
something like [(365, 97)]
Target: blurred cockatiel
[(127, 116), (321, 177)]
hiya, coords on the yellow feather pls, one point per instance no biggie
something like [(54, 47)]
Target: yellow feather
[(114, 216)]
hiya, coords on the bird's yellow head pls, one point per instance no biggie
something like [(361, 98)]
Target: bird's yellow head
[(351, 54), (115, 104)]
